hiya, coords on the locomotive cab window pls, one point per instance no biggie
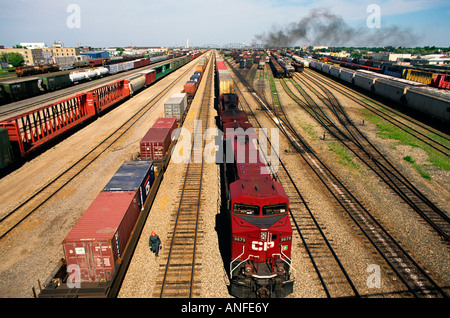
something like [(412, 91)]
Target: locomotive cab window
[(274, 209), (246, 209)]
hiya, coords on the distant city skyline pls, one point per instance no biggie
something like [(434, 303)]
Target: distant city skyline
[(112, 23)]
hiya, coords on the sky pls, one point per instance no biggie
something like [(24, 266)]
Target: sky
[(111, 23)]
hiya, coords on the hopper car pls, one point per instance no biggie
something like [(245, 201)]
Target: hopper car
[(419, 96)]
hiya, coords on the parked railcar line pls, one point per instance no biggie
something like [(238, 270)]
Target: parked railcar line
[(14, 108), (375, 160), (180, 272), (334, 278), (13, 218), (413, 276)]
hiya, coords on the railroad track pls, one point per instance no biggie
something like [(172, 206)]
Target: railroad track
[(411, 274), (12, 109), (178, 277), (22, 211), (428, 136), (355, 141)]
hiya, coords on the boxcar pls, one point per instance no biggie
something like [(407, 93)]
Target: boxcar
[(22, 89), (55, 82)]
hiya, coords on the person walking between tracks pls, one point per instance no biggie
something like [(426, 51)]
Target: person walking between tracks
[(154, 243)]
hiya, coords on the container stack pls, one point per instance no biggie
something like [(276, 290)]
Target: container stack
[(157, 140)]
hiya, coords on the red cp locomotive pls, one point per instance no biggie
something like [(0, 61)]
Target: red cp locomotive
[(261, 232)]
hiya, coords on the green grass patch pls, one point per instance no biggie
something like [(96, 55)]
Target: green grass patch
[(387, 130), (309, 129), (418, 168), (345, 158)]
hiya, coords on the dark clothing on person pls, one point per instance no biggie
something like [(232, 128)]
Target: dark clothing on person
[(154, 243)]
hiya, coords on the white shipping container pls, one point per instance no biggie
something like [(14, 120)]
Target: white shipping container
[(175, 106)]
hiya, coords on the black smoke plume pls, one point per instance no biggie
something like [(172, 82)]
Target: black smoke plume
[(321, 27)]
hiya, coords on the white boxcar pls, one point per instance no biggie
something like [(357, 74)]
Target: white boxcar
[(390, 89), (326, 68)]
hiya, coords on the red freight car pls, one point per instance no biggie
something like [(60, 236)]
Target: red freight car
[(108, 95), (150, 76), (441, 81), (157, 140), (100, 237), (31, 130), (95, 62)]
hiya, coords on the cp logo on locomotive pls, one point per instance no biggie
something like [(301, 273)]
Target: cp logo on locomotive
[(262, 246)]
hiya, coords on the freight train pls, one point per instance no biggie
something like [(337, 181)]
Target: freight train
[(417, 96), (431, 78), (16, 90), (99, 247), (257, 210), (40, 127), (288, 69)]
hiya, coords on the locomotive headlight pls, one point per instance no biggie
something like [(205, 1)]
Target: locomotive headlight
[(263, 236)]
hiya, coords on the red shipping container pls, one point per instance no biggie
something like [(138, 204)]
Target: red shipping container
[(220, 65), (155, 143), (190, 87), (101, 235), (165, 122)]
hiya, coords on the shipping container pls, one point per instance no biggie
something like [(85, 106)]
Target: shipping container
[(190, 87), (99, 239), (220, 65), (155, 143), (176, 106), (157, 140), (226, 83), (133, 176)]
